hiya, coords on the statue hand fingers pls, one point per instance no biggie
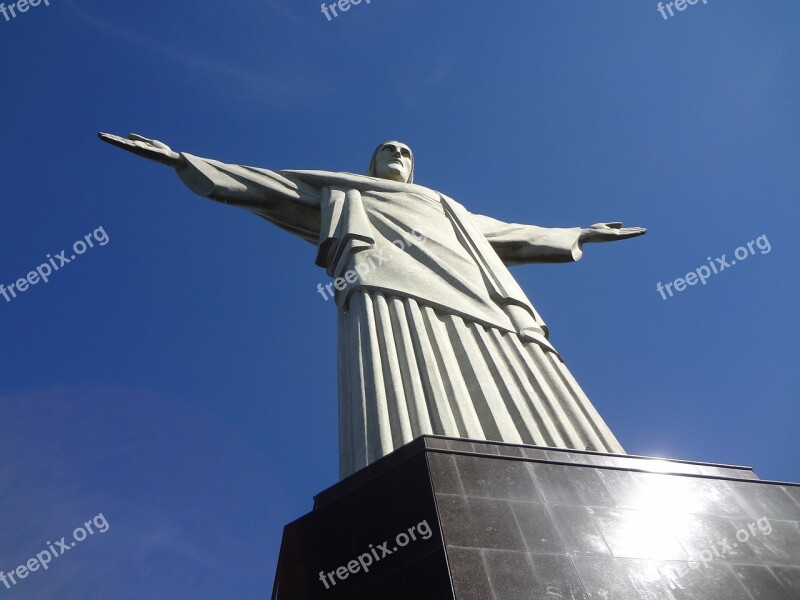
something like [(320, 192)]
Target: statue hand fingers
[(632, 232), (115, 140), (148, 142), (140, 138)]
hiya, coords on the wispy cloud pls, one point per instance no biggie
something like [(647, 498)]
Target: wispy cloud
[(275, 86), (172, 540), (416, 87)]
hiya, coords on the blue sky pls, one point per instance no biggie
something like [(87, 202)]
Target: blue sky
[(181, 379)]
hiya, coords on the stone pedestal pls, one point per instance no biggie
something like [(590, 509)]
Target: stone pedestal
[(444, 518)]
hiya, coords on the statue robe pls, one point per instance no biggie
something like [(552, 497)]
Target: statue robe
[(435, 335)]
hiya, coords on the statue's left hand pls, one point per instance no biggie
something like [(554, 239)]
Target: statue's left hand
[(609, 232)]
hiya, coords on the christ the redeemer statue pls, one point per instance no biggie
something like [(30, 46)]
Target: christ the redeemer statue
[(435, 335)]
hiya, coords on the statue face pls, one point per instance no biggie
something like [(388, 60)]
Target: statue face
[(393, 161)]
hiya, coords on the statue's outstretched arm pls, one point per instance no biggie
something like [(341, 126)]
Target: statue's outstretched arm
[(518, 244), (286, 201)]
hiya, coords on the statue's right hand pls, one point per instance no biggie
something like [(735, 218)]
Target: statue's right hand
[(145, 147)]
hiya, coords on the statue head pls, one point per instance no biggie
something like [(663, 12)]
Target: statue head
[(392, 160)]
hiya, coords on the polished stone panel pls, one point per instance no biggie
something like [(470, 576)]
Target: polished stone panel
[(578, 530), (621, 578), (443, 470), (790, 577), (779, 541), (469, 574), (507, 479), (638, 534), (538, 529), (713, 581), (520, 576), (714, 538), (479, 523), (761, 583), (578, 486), (793, 492), (769, 500)]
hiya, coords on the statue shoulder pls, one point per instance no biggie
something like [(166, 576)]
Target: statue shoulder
[(328, 178), (355, 181)]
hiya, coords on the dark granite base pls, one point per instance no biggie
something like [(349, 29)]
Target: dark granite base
[(443, 518)]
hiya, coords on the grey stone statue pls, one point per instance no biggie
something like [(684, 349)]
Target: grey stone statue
[(435, 335)]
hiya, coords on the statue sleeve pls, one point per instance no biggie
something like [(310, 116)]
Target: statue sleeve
[(280, 198), (518, 244)]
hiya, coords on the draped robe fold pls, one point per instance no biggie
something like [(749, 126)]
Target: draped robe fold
[(435, 335)]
